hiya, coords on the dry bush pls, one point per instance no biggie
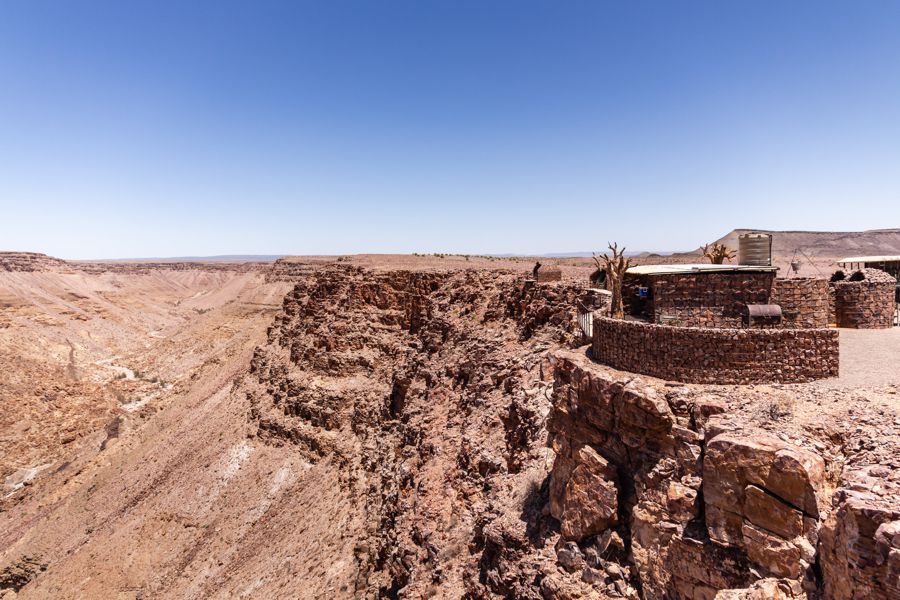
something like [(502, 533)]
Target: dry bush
[(773, 410)]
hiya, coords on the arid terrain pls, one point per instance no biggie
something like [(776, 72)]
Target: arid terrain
[(838, 244), (378, 426)]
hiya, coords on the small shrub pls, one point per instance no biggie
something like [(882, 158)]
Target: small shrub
[(776, 409)]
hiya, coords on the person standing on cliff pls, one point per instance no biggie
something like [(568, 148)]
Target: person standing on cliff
[(537, 267)]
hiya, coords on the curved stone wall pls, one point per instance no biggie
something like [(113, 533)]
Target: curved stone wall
[(716, 356), (866, 304)]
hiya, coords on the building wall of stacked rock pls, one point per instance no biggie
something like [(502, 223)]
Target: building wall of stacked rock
[(547, 274), (718, 299), (866, 304), (716, 355), (803, 301), (697, 299)]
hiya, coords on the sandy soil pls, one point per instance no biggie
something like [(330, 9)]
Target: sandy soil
[(869, 358)]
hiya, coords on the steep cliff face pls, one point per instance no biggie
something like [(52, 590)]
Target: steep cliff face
[(28, 262), (710, 498), (433, 395), (427, 393)]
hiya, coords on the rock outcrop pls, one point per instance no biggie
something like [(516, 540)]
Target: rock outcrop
[(30, 262), (709, 505), (861, 538), (428, 390)]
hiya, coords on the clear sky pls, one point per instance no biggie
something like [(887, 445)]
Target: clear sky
[(167, 128)]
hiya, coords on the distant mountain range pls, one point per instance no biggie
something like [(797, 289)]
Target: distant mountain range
[(216, 258), (835, 244), (831, 244), (627, 253)]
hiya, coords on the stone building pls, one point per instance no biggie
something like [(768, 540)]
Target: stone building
[(546, 273), (887, 264), (694, 323), (701, 295), (867, 299)]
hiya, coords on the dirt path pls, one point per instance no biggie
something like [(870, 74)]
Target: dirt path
[(108, 363), (70, 368), (869, 358)]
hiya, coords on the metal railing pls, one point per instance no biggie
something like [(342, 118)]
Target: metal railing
[(585, 321)]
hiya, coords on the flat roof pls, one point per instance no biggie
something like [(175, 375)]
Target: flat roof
[(869, 259), (698, 268)]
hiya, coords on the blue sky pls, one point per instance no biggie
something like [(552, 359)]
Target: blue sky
[(198, 128)]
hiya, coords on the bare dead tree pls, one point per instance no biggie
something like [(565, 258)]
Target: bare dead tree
[(614, 266), (718, 253)]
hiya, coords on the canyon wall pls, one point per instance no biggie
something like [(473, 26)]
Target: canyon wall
[(419, 434), (29, 262), (427, 393), (433, 393)]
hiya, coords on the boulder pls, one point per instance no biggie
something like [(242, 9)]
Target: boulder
[(586, 503), (764, 496), (860, 541), (791, 475), (764, 589)]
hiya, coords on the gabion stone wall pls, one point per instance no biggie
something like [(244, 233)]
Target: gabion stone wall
[(697, 299), (866, 304), (716, 356), (548, 273), (803, 301)]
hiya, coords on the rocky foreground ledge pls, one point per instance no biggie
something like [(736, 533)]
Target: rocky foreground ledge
[(698, 497)]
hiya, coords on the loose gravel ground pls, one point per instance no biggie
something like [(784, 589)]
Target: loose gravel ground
[(869, 358)]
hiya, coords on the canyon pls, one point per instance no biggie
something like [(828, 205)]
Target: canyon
[(411, 427)]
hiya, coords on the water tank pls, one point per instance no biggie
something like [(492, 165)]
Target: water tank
[(755, 249)]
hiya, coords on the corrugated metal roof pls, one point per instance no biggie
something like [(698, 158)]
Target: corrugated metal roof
[(698, 268), (869, 259)]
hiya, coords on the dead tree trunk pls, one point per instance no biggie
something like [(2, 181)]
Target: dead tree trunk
[(615, 267), (718, 253)]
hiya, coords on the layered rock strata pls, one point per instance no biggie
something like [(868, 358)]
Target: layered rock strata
[(427, 392)]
